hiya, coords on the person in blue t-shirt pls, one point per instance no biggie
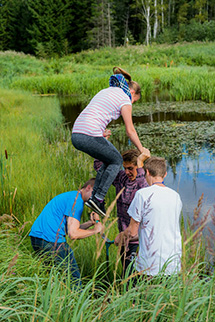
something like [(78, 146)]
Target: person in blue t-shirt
[(61, 217)]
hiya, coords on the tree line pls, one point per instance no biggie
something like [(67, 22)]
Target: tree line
[(59, 27)]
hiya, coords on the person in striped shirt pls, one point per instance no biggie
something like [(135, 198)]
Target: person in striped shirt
[(88, 129)]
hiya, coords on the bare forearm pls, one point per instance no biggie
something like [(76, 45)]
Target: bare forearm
[(135, 139), (82, 233), (86, 225), (76, 231)]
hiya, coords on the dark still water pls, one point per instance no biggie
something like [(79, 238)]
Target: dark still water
[(71, 110), (193, 175)]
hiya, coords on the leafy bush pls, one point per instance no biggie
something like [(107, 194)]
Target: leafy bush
[(168, 36)]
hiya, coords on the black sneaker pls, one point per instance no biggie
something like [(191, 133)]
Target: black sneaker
[(96, 206)]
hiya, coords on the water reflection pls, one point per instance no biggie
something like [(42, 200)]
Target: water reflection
[(171, 116), (190, 176), (71, 108), (194, 176), (174, 116)]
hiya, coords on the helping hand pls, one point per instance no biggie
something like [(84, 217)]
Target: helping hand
[(142, 157), (99, 227), (119, 240), (94, 217)]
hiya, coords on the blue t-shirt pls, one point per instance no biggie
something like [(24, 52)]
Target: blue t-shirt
[(51, 223)]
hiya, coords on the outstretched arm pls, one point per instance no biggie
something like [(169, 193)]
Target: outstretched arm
[(77, 231), (128, 234), (94, 218), (126, 112)]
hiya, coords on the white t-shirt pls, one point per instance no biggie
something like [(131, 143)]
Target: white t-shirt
[(102, 109), (158, 210)]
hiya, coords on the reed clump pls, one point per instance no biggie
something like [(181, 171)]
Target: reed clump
[(196, 83), (182, 70), (37, 163), (31, 292)]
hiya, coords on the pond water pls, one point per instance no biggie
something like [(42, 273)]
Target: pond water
[(192, 174)]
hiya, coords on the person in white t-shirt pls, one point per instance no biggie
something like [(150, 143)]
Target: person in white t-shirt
[(155, 216), (89, 130)]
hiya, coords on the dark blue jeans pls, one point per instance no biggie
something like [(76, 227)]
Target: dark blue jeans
[(103, 150), (61, 255), (128, 257)]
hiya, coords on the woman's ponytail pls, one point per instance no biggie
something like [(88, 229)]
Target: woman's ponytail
[(118, 70)]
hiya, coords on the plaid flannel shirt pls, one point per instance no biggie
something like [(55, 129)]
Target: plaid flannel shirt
[(127, 195)]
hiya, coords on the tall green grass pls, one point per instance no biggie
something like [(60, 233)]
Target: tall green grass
[(185, 70), (187, 54), (196, 83), (39, 163), (29, 292)]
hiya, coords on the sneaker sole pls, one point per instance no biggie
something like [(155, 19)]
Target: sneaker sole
[(88, 205), (95, 208)]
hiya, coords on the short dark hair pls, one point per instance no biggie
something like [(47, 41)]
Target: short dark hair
[(131, 156), (90, 182), (156, 166)]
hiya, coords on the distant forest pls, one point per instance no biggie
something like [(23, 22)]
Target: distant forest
[(48, 28)]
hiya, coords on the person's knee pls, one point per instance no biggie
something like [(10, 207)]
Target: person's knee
[(119, 160)]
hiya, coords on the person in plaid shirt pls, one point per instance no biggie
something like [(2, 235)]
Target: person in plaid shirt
[(132, 178)]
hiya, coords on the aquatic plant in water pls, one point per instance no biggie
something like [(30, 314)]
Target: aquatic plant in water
[(170, 139)]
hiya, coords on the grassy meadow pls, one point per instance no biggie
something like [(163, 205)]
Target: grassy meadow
[(186, 71), (38, 161)]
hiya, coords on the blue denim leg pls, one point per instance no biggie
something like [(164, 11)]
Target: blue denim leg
[(103, 150), (61, 254), (65, 258)]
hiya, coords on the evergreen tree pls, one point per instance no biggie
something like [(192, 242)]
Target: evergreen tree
[(79, 25), (50, 24), (102, 32), (202, 10), (122, 20), (3, 25), (14, 20)]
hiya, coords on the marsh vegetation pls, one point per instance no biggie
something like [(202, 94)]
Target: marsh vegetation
[(38, 161)]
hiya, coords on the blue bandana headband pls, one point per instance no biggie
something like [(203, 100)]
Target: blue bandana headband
[(118, 80)]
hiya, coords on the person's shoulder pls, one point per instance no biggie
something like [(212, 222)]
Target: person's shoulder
[(73, 194), (119, 92), (140, 172), (145, 191), (140, 178), (68, 193), (173, 194), (172, 191)]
